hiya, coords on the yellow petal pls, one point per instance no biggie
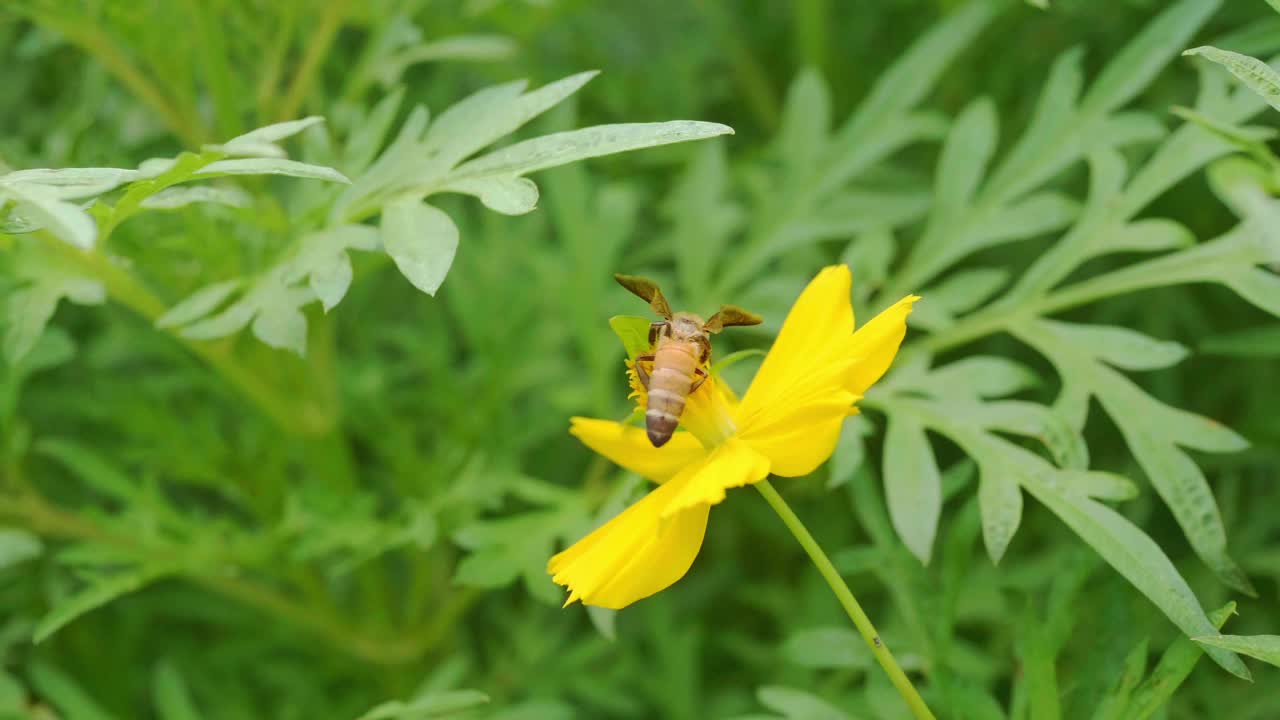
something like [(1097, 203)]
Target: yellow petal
[(652, 543), (628, 446), (799, 437), (733, 464), (807, 344), (815, 372), (875, 344), (634, 555)]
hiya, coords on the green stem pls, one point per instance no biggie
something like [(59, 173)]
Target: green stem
[(317, 49), (851, 607)]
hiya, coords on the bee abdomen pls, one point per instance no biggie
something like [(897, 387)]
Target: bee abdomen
[(669, 385), (663, 415)]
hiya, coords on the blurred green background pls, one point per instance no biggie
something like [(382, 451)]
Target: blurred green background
[(380, 532)]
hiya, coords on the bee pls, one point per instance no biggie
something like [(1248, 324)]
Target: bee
[(680, 351)]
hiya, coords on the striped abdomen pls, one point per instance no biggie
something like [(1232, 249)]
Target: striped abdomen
[(670, 380)]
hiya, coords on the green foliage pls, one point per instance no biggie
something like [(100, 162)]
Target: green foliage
[(346, 511)]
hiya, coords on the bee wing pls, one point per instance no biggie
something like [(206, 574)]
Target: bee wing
[(730, 315), (646, 290)]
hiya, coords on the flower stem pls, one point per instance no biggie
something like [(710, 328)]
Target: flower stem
[(828, 571)]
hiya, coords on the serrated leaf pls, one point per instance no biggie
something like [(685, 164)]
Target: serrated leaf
[(72, 183), (90, 467), (1000, 501), (270, 166), (482, 118), (983, 376), (912, 485), (282, 326), (806, 120), (1172, 669), (65, 221), (98, 593), (798, 704), (1122, 347), (180, 197), (433, 705), (198, 304), (507, 195), (422, 240), (604, 620), (1134, 555), (963, 163), (1263, 647), (1260, 287), (63, 693), (1101, 485), (565, 147), (17, 546), (275, 132), (172, 698), (967, 289), (488, 569), (1257, 75), (827, 648), (1149, 235), (13, 698)]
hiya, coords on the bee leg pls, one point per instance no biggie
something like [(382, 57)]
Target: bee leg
[(698, 383), (641, 373), (656, 329)]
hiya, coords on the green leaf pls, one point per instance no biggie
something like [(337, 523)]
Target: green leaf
[(981, 376), (271, 134), (1000, 502), (198, 304), (65, 694), (98, 593), (1134, 555), (433, 705), (507, 195), (1122, 347), (798, 705), (1255, 74), (565, 147), (422, 240), (90, 467), (172, 699), (912, 485), (72, 183), (180, 197), (484, 117), (806, 121), (65, 221), (633, 331), (17, 547), (1174, 667), (827, 648), (965, 155), (1131, 71), (29, 308), (1263, 647), (1114, 705), (270, 166), (13, 698)]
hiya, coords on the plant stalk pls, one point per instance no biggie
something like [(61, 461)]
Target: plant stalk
[(851, 607)]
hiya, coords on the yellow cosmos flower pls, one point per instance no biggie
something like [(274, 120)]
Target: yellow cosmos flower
[(787, 424)]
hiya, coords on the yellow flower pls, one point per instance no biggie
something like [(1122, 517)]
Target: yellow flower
[(787, 424)]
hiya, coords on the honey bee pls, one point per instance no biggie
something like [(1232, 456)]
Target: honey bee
[(680, 351)]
